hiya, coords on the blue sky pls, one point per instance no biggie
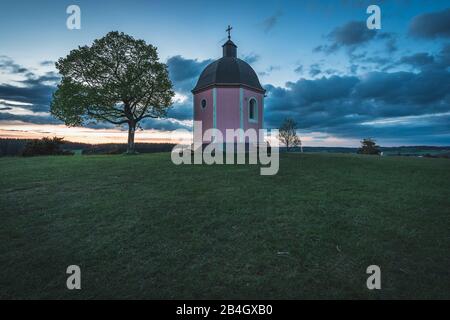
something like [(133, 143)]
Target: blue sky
[(318, 61)]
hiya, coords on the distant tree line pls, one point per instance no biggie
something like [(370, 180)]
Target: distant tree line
[(47, 146), (12, 147), (19, 147), (119, 148)]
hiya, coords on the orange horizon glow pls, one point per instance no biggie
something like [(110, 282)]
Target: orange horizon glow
[(24, 130)]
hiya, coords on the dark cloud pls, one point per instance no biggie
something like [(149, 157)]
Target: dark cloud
[(350, 35), (404, 88), (269, 70), (354, 68), (47, 63), (376, 60), (50, 79), (418, 59), (320, 48), (36, 94), (357, 56), (35, 90), (391, 41), (185, 72), (350, 106), (427, 62), (251, 58), (270, 22), (426, 130), (331, 71), (391, 45), (7, 65), (167, 124), (365, 61), (47, 119), (299, 69), (444, 56), (314, 70), (431, 25), (273, 68), (181, 111), (354, 35)]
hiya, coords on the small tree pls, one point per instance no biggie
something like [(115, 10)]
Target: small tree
[(368, 146), (288, 134), (118, 80)]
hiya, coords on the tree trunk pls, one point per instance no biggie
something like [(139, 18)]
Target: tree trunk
[(131, 130)]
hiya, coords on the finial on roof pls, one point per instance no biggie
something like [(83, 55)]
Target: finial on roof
[(229, 48), (229, 32)]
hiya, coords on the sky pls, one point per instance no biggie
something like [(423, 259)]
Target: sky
[(318, 61)]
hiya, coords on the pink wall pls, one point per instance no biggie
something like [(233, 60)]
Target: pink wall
[(228, 114), (227, 110), (204, 115)]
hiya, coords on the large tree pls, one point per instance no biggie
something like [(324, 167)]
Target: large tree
[(287, 133), (118, 80)]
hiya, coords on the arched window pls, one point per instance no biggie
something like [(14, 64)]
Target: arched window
[(203, 103), (253, 110)]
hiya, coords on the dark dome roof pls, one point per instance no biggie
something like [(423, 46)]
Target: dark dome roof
[(228, 70)]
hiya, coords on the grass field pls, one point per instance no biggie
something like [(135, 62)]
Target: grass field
[(141, 227)]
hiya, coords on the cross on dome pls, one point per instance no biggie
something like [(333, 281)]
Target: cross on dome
[(229, 31)]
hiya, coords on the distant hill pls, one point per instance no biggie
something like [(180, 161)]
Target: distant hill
[(14, 147), (413, 151)]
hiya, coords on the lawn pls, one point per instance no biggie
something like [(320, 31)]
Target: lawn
[(141, 227)]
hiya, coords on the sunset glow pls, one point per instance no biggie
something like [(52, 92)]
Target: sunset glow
[(23, 130)]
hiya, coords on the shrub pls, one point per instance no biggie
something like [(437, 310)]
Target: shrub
[(44, 147)]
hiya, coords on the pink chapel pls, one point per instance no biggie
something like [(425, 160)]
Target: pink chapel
[(228, 94)]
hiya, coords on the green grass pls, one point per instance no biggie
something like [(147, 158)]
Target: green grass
[(141, 227)]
